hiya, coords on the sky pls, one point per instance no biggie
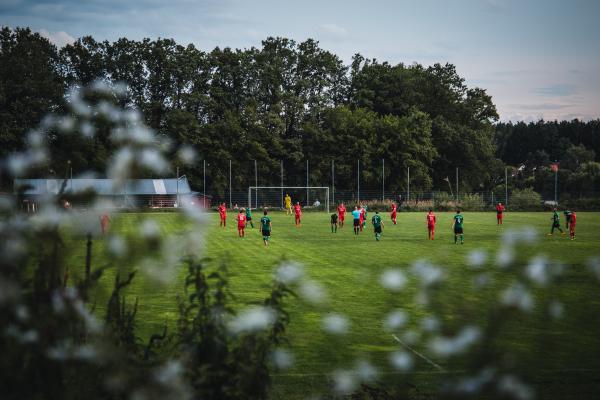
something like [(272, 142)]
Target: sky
[(536, 58)]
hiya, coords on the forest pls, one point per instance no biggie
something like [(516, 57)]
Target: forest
[(289, 102)]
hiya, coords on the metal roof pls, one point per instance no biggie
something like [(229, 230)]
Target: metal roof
[(105, 187)]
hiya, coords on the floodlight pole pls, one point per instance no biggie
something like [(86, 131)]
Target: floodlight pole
[(407, 183), (230, 205), (333, 181), (383, 179), (307, 202), (204, 183), (358, 180), (555, 183), (177, 189), (456, 184), (256, 181), (281, 162), (505, 186)]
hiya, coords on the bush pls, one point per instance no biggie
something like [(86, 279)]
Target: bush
[(525, 200), (444, 202), (471, 202)]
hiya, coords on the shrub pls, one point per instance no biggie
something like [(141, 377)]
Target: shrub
[(471, 202), (525, 200)]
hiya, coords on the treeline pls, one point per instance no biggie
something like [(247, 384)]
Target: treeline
[(285, 101)]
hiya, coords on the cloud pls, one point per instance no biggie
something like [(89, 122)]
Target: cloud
[(334, 30), (60, 38), (559, 89), (542, 106)]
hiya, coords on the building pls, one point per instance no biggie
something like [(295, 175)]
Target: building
[(136, 193)]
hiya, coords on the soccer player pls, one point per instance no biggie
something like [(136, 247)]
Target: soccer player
[(555, 223), (431, 224), (104, 223), (457, 226), (241, 220), (377, 225), (288, 204), (334, 223), (341, 209), (394, 212), (297, 213), (365, 216), (356, 215), (249, 217), (500, 213), (222, 214), (568, 214), (572, 223), (361, 218), (266, 226)]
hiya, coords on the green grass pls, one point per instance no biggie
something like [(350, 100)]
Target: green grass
[(562, 355)]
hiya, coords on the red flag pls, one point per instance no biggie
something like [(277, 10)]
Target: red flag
[(554, 167)]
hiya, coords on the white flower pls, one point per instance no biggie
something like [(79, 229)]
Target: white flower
[(482, 280), (448, 346), (517, 296), (365, 371), (153, 160), (393, 280), (252, 319), (312, 291), (336, 324), (401, 361), (505, 256), (282, 358), (430, 324), (344, 382), (169, 372), (289, 273), (395, 319), (594, 265), (117, 246), (538, 271), (477, 258), (411, 337), (187, 155), (556, 309), (516, 389), (150, 230), (428, 273)]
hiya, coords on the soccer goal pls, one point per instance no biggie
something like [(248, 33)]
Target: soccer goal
[(273, 196)]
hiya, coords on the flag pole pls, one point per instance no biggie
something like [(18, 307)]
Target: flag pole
[(555, 183)]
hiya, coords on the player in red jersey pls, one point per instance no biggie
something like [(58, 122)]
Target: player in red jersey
[(241, 220), (431, 224), (222, 214), (394, 212), (572, 223), (362, 217), (341, 209), (500, 213), (297, 213)]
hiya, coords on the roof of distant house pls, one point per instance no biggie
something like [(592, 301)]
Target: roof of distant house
[(106, 187)]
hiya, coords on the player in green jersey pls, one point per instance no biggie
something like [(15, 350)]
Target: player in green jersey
[(249, 217), (334, 223), (555, 223), (457, 226), (266, 227), (377, 225)]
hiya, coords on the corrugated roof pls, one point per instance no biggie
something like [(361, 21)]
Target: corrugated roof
[(105, 186)]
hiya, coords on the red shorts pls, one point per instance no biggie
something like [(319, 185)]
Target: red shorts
[(222, 216), (394, 214), (341, 217), (241, 226), (500, 216), (431, 227), (572, 227)]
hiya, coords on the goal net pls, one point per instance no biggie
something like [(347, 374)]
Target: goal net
[(316, 197)]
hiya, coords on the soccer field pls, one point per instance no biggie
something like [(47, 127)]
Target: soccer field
[(562, 356)]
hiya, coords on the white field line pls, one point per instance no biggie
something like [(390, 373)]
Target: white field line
[(418, 354)]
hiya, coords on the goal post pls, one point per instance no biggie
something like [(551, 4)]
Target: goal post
[(272, 196)]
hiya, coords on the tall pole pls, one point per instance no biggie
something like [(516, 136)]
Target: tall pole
[(333, 181), (230, 205), (204, 183), (407, 183), (383, 179), (177, 190), (281, 162), (457, 184), (555, 183), (358, 180), (307, 203), (506, 186), (256, 182)]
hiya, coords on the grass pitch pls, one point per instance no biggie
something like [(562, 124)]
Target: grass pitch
[(562, 356)]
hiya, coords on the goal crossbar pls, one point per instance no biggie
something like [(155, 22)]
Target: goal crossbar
[(251, 188)]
